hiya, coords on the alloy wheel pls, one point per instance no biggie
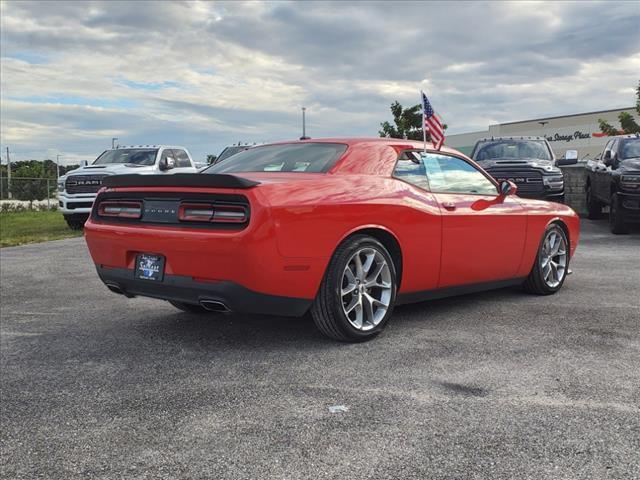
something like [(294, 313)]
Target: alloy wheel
[(366, 288), (553, 258)]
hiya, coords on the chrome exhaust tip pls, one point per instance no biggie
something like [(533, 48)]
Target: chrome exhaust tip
[(115, 288), (214, 306)]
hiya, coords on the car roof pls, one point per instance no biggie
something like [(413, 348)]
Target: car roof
[(122, 147), (627, 135), (353, 141), (516, 137)]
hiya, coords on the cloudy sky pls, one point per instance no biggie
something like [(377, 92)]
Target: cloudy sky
[(207, 74)]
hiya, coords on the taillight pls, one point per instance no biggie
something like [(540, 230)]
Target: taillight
[(209, 212), (120, 209)]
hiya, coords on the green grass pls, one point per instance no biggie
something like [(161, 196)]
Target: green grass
[(17, 228)]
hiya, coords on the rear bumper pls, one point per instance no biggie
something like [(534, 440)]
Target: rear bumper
[(185, 289)]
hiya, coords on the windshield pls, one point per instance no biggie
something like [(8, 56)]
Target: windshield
[(135, 156), (290, 157), (630, 148), (518, 149)]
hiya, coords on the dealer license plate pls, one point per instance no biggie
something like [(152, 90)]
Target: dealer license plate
[(149, 267)]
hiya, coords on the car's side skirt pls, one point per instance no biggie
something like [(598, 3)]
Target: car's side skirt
[(414, 297)]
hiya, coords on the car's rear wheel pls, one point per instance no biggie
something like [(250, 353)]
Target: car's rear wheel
[(188, 307), (594, 207), (616, 218), (358, 292), (552, 263)]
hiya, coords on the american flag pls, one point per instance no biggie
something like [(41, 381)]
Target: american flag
[(432, 123)]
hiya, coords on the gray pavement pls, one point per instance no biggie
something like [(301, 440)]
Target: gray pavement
[(499, 385)]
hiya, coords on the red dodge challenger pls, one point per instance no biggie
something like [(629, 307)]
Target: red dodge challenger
[(345, 228)]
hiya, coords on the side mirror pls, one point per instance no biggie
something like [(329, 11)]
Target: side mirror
[(507, 188), (570, 158), (167, 163), (83, 163), (607, 159)]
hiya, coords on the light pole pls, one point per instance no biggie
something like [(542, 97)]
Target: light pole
[(113, 143), (58, 165), (304, 124)]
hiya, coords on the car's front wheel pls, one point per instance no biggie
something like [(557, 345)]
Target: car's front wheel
[(616, 218), (552, 263), (74, 223), (358, 292)]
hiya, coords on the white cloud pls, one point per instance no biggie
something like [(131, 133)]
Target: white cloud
[(207, 74)]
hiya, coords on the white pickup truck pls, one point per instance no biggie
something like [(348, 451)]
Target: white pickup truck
[(78, 188)]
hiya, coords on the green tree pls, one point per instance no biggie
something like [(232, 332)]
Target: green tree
[(407, 123), (211, 159), (627, 122), (28, 182)]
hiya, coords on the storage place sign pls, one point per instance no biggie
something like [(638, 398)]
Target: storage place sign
[(558, 137)]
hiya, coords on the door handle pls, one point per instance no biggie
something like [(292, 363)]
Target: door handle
[(449, 205)]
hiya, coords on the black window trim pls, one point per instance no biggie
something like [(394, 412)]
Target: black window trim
[(437, 152)]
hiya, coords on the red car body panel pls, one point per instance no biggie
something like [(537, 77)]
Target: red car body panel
[(298, 220)]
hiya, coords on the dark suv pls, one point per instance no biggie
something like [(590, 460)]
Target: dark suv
[(526, 161), (614, 180)]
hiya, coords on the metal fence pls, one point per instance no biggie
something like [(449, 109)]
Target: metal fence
[(27, 189)]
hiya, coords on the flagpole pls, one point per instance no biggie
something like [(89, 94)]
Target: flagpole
[(424, 124)]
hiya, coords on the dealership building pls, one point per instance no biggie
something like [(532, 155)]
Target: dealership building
[(579, 132)]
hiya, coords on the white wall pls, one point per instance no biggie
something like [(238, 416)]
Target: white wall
[(575, 132)]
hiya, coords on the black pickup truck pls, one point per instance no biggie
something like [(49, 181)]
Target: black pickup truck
[(614, 180), (527, 161)]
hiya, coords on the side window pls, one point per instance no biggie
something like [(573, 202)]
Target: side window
[(182, 159), (448, 174), (606, 149), (167, 154), (411, 170)]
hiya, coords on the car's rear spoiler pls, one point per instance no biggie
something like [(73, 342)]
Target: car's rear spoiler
[(179, 180)]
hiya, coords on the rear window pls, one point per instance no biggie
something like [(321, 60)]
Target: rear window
[(289, 157)]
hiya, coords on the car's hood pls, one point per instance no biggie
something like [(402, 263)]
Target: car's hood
[(516, 162), (112, 169), (632, 164), (534, 163)]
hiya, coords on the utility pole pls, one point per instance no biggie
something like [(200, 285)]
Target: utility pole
[(58, 166), (8, 175), (113, 143)]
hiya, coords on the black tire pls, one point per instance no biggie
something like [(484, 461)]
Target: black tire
[(327, 310), (74, 223), (535, 282), (188, 307), (616, 218), (594, 207)]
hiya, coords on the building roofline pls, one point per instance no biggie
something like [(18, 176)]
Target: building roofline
[(567, 116)]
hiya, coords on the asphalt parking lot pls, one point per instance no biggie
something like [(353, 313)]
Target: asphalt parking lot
[(493, 385)]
